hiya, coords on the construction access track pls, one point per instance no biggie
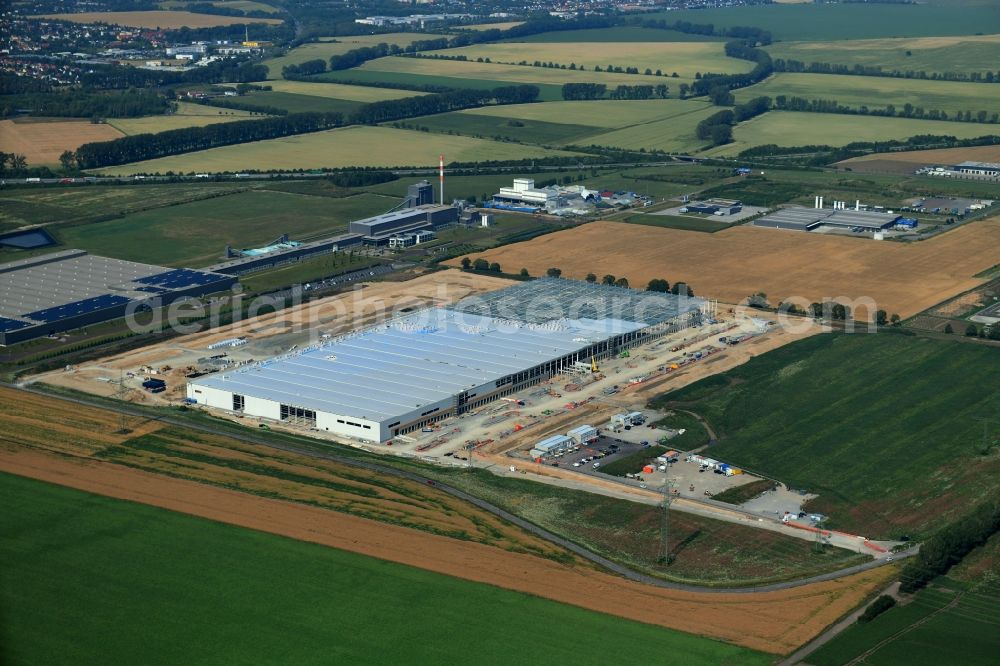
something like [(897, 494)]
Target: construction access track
[(758, 618)]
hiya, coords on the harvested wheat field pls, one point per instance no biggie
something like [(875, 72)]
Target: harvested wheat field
[(922, 158), (167, 20), (57, 427), (775, 622), (903, 278), (42, 141)]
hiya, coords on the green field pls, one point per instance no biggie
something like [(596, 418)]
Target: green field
[(305, 271), (298, 103), (186, 115), (807, 22), (546, 92), (666, 124), (793, 128), (877, 92), (616, 34), (364, 94), (358, 146), (502, 129), (501, 74), (685, 58), (324, 49), (707, 552), (609, 114), (883, 427), (196, 234), (974, 53), (704, 224), (675, 135), (77, 564), (963, 633)]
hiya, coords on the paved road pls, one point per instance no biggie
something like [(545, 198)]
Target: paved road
[(831, 633), (254, 438)]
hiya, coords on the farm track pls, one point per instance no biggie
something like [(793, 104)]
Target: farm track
[(471, 499)]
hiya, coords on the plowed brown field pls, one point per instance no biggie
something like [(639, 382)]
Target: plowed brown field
[(775, 622), (730, 265)]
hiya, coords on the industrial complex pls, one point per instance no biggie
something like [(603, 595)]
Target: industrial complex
[(397, 377), (800, 218)]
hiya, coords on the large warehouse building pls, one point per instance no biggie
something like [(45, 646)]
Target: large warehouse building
[(420, 368), (64, 290), (800, 218)]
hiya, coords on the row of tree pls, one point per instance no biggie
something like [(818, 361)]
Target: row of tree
[(239, 105), (82, 104), (189, 139), (743, 50), (307, 68), (907, 110), (918, 142), (579, 91), (788, 65), (639, 92), (947, 548), (409, 107), (234, 70)]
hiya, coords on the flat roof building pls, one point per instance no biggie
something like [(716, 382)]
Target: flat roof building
[(428, 365), (800, 218), (551, 446), (979, 168), (64, 290), (379, 229)]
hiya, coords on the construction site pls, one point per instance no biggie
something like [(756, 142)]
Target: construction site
[(592, 393)]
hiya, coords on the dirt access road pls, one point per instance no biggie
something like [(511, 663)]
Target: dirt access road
[(775, 622)]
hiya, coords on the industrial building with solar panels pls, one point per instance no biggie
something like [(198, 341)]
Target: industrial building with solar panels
[(64, 290), (385, 381)]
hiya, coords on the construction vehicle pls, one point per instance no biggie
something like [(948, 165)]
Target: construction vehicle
[(593, 365)]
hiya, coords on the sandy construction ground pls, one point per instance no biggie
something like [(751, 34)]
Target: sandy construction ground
[(735, 263), (167, 20), (274, 333), (775, 622), (42, 141)]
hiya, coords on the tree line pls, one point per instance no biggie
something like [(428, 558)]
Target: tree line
[(908, 110), (798, 66), (173, 142), (947, 547), (579, 91), (82, 104), (307, 68), (639, 92), (409, 107), (824, 154), (233, 70), (189, 139)]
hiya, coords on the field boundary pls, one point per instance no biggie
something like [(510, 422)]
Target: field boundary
[(526, 525)]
